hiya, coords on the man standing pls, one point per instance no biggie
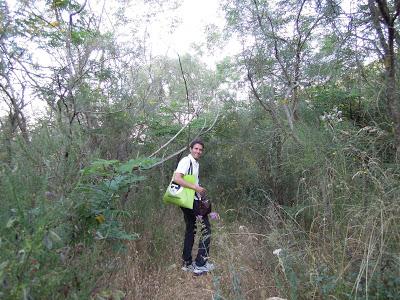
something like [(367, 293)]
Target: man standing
[(190, 164)]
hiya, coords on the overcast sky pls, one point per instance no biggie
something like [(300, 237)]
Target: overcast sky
[(193, 16), (190, 18)]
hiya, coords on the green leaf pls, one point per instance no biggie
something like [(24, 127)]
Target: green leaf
[(113, 230), (108, 294), (60, 3), (148, 162), (48, 243), (78, 37), (99, 167), (129, 165), (115, 183), (3, 265), (11, 222), (54, 236), (141, 163), (103, 163)]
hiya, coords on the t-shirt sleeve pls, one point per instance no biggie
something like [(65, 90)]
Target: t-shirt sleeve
[(183, 166)]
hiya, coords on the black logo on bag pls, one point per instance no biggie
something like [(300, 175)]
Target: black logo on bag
[(175, 188)]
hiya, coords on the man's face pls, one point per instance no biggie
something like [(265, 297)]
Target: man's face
[(196, 151)]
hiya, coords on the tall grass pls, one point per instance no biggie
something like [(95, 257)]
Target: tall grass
[(58, 219), (338, 235), (338, 231), (65, 221), (341, 235)]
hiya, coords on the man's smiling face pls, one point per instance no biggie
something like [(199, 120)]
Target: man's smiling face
[(196, 151)]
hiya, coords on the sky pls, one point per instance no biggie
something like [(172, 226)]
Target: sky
[(195, 15), (190, 19)]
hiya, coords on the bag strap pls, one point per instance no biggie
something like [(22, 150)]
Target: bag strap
[(190, 171)]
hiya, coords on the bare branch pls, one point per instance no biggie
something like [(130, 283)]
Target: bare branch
[(186, 89), (274, 35), (298, 18), (272, 112), (173, 138), (7, 92), (78, 11), (383, 8), (255, 93), (165, 159), (212, 125), (377, 26), (397, 10)]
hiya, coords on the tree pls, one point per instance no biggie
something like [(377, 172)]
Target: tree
[(12, 78), (277, 39), (383, 20)]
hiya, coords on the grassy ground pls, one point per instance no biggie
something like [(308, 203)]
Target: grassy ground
[(150, 269)]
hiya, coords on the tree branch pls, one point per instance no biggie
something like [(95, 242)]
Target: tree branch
[(173, 138), (274, 36), (378, 28), (187, 92), (255, 93), (165, 159)]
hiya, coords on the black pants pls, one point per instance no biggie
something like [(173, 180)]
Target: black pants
[(190, 232)]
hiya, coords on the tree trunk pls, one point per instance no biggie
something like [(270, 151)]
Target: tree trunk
[(278, 186), (391, 93), (381, 16)]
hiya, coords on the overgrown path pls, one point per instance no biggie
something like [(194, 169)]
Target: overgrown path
[(150, 269)]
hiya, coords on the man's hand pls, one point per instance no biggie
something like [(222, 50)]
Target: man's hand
[(200, 189), (178, 178)]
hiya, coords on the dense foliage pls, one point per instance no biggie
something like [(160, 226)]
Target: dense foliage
[(302, 134)]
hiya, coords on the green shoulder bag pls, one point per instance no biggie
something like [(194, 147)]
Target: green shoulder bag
[(179, 195)]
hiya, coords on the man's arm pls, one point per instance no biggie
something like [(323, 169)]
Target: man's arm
[(178, 178)]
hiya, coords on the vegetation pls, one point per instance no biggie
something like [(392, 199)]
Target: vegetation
[(302, 134)]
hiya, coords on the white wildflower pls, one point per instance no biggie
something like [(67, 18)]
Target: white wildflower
[(277, 251)]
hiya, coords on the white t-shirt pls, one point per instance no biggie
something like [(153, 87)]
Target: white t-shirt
[(184, 165)]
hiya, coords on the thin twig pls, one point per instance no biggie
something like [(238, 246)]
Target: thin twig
[(167, 143), (187, 92), (165, 159)]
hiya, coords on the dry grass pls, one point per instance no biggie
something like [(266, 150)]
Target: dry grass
[(244, 265)]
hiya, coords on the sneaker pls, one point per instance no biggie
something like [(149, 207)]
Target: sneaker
[(203, 269), (188, 267)]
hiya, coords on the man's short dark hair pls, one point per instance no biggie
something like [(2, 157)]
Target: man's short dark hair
[(196, 141)]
